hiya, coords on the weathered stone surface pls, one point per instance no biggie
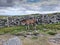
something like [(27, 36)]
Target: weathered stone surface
[(57, 36), (13, 41), (56, 39), (2, 42)]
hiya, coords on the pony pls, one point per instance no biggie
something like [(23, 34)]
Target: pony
[(28, 22)]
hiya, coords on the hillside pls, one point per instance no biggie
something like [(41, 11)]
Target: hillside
[(40, 36)]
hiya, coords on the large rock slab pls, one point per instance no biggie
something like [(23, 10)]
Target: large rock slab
[(13, 41)]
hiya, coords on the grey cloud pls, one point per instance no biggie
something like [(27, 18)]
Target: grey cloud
[(5, 3), (20, 6), (19, 2)]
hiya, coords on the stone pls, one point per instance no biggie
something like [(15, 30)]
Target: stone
[(2, 42), (55, 40), (52, 40), (13, 41), (57, 35)]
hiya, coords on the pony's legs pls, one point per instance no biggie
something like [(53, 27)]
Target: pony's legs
[(28, 27), (34, 26)]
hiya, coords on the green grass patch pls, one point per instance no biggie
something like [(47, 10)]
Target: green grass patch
[(51, 32), (14, 29), (34, 38), (42, 29)]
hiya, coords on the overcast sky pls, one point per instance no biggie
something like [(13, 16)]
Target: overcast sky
[(19, 7)]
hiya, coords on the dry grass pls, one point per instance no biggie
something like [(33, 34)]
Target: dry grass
[(28, 41), (38, 41)]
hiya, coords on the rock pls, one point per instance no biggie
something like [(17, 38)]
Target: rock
[(36, 34), (2, 42), (55, 40), (29, 33), (29, 36), (52, 40), (13, 41), (57, 35)]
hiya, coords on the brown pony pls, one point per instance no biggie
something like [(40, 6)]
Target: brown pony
[(28, 22)]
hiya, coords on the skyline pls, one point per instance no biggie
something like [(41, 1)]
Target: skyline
[(21, 7)]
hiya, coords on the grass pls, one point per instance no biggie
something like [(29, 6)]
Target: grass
[(34, 38), (42, 28), (51, 33), (50, 26), (49, 29), (35, 41), (14, 29)]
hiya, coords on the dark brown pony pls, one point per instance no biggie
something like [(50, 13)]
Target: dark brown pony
[(28, 22)]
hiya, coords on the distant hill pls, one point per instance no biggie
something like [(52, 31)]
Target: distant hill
[(37, 14)]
